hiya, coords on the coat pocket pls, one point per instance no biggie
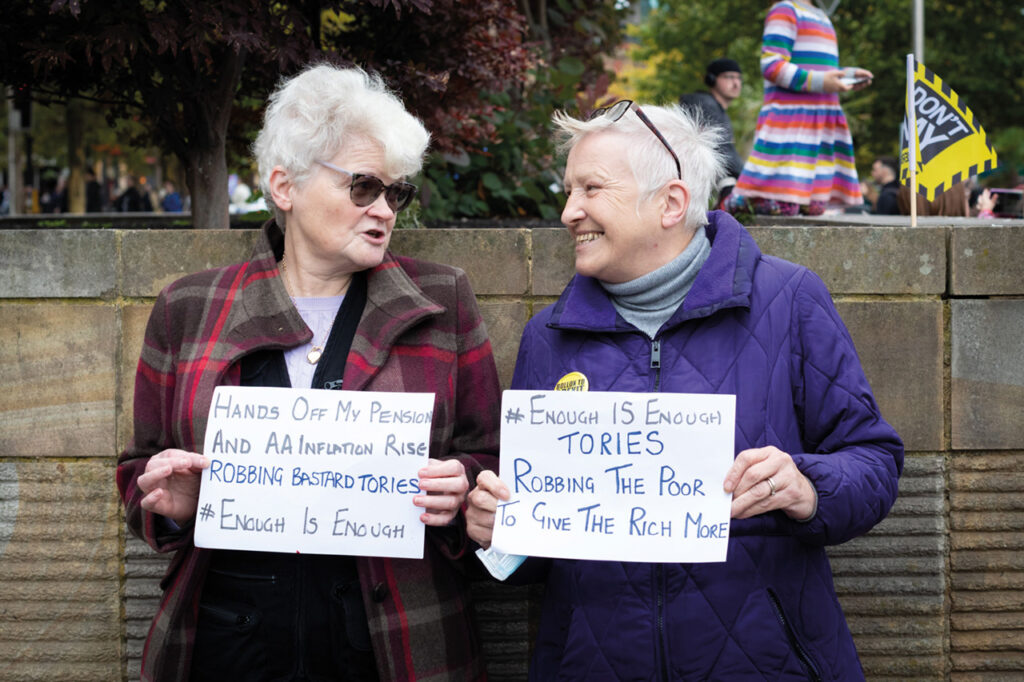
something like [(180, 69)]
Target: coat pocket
[(227, 645), (813, 672)]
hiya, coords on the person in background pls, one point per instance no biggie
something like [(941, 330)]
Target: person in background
[(171, 201), (93, 192), (669, 297), (54, 199), (985, 204), (133, 199), (725, 82), (802, 159), (151, 193), (885, 172), (322, 303)]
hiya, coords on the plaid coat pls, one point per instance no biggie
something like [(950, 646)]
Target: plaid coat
[(420, 331)]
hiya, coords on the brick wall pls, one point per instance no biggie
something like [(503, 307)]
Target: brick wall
[(937, 312)]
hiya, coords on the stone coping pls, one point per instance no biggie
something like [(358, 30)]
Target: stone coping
[(968, 260)]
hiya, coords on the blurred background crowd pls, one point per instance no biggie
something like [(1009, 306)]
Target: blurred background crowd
[(109, 108)]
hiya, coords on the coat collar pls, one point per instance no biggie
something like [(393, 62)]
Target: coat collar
[(267, 318), (394, 304), (725, 281)]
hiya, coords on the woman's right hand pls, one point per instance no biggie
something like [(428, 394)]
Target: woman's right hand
[(481, 504), (171, 484)]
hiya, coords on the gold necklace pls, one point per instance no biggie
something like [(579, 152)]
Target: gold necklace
[(315, 351)]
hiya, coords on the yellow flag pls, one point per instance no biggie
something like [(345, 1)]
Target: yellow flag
[(951, 144)]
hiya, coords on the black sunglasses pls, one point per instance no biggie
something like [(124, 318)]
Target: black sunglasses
[(618, 109), (365, 189)]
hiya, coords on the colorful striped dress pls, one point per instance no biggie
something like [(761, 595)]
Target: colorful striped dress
[(802, 151)]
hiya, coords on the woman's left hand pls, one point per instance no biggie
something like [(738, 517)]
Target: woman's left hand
[(763, 479), (865, 77), (445, 485)]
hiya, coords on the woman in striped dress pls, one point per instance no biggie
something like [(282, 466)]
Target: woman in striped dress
[(802, 158)]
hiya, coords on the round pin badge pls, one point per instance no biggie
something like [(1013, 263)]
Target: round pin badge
[(573, 381)]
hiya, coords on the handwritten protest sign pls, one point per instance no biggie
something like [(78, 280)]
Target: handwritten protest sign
[(312, 471), (616, 476)]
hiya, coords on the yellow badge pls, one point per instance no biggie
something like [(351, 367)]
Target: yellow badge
[(573, 381)]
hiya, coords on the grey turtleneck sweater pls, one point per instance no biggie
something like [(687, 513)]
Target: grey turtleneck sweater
[(648, 301)]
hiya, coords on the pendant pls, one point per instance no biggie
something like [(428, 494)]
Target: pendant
[(314, 354)]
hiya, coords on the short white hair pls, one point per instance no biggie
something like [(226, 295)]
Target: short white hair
[(694, 141), (313, 115)]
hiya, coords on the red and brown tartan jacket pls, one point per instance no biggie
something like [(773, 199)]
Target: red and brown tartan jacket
[(420, 331)]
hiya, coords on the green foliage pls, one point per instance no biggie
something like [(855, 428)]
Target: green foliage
[(973, 45), (681, 37), (409, 219), (102, 139), (1009, 145), (443, 59), (515, 174), (186, 69)]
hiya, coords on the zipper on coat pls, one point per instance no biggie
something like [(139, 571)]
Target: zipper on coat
[(659, 571), (656, 363), (801, 653), (237, 575)]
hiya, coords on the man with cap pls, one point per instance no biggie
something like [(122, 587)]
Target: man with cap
[(725, 81)]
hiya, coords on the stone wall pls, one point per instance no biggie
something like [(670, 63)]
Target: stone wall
[(937, 313)]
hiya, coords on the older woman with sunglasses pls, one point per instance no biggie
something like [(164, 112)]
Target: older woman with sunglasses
[(669, 297), (321, 304)]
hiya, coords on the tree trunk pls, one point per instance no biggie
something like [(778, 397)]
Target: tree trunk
[(15, 179), (207, 174), (205, 154), (76, 157)]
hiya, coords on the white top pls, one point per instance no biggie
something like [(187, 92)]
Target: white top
[(318, 314)]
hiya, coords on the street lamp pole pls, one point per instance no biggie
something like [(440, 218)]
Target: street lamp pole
[(919, 30)]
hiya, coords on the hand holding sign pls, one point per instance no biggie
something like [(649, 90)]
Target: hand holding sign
[(445, 485), (171, 484), (483, 503), (788, 489)]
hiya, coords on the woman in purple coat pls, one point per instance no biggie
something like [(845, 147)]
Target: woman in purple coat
[(670, 298)]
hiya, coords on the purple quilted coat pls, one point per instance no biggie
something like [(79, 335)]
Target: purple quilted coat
[(765, 330)]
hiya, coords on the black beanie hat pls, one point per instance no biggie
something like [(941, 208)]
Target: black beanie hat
[(722, 65)]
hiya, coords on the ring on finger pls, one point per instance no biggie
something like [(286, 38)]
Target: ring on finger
[(771, 484)]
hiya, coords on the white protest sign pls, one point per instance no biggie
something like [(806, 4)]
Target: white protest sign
[(313, 471), (616, 476)]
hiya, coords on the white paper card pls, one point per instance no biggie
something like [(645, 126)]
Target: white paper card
[(616, 476), (313, 471)]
